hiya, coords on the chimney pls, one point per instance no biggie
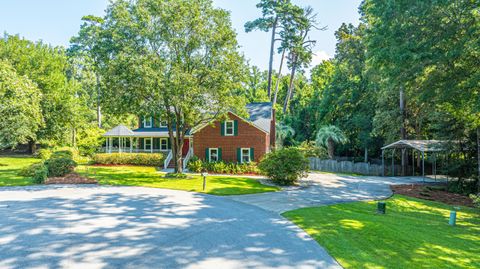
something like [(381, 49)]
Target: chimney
[(272, 130)]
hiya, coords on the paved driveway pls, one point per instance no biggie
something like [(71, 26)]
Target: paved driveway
[(325, 189), (130, 227)]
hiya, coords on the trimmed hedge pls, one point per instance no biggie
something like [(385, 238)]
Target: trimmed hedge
[(37, 171), (197, 165), (148, 159), (285, 166)]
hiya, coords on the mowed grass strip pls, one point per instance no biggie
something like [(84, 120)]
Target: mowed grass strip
[(149, 177), (413, 234), (11, 166)]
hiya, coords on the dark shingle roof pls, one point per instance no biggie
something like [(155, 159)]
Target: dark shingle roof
[(260, 115)]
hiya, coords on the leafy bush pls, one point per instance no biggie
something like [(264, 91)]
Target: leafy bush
[(37, 171), (476, 199), (89, 140), (58, 166), (148, 159), (310, 149), (176, 175), (221, 167), (65, 152), (44, 154), (284, 166)]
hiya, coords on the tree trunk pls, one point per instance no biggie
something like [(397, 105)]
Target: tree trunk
[(99, 110), (32, 146), (331, 148), (278, 80), (178, 143), (290, 86), (478, 158), (74, 137), (270, 62)]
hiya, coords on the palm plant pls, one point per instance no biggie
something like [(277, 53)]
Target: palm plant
[(328, 136), (282, 131)]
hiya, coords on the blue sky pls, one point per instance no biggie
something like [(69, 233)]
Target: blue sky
[(55, 21)]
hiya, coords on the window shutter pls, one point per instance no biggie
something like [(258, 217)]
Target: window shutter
[(207, 155), (222, 128), (140, 122), (235, 127), (251, 154), (153, 121), (219, 154), (239, 155)]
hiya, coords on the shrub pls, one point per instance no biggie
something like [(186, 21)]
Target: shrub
[(476, 199), (89, 140), (284, 166), (196, 165), (37, 171), (176, 175), (58, 166), (65, 152), (310, 149), (44, 154), (148, 159)]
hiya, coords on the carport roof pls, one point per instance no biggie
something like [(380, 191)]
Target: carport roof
[(421, 145)]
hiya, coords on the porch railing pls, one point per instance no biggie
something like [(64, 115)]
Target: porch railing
[(133, 150), (167, 160), (187, 158)]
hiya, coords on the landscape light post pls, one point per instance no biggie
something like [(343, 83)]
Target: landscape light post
[(204, 175)]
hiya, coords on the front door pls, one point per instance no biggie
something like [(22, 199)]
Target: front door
[(186, 146)]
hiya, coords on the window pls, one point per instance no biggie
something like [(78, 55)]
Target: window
[(147, 122), (245, 155), (213, 155), (147, 144), (163, 143), (163, 123), (229, 127)]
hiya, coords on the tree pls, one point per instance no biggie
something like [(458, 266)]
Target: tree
[(328, 136), (47, 67), (19, 107), (282, 131), (269, 20), (86, 48), (176, 59)]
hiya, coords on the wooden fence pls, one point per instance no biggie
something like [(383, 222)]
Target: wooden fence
[(351, 167)]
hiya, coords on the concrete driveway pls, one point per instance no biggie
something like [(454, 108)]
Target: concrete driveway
[(131, 227), (325, 189)]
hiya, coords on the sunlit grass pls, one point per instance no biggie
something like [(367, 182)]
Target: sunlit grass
[(149, 177), (11, 166), (413, 234)]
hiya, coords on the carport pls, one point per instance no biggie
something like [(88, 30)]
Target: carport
[(422, 147)]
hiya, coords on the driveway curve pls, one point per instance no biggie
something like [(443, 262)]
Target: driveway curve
[(132, 227)]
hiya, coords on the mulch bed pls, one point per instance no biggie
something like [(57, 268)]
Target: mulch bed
[(433, 193), (72, 178)]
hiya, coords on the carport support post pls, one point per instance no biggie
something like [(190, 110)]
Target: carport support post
[(423, 165), (393, 163), (383, 163), (435, 166), (413, 162)]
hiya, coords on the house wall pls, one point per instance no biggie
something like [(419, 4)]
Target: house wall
[(248, 137)]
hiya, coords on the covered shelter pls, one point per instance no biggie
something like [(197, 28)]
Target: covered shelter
[(421, 146), (123, 135)]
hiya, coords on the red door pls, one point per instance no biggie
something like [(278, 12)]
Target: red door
[(186, 146)]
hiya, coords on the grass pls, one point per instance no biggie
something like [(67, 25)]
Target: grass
[(11, 166), (149, 177), (413, 234)]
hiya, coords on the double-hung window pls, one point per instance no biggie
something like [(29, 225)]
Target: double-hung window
[(147, 122), (213, 155), (245, 155), (163, 123), (164, 143), (147, 144), (229, 128)]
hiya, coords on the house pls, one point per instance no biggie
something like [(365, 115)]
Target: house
[(234, 140)]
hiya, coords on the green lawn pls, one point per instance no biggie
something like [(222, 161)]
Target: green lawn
[(9, 168), (413, 234), (149, 177)]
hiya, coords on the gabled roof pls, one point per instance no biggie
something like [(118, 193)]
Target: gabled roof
[(421, 145), (119, 131), (260, 115)]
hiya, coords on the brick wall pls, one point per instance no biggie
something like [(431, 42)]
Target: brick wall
[(248, 137)]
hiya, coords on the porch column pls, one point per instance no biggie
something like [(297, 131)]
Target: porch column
[(120, 144), (131, 145), (110, 145), (423, 165), (393, 163), (151, 144)]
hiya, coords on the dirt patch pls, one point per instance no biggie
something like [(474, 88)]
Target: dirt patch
[(72, 178), (432, 193)]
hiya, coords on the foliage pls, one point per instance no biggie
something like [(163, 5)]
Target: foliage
[(196, 165), (150, 177), (89, 140), (282, 132), (59, 166), (328, 136), (284, 166), (37, 171), (176, 175), (310, 149), (355, 236), (19, 107), (476, 199), (44, 154), (147, 159)]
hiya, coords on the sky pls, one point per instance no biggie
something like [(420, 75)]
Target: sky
[(56, 21)]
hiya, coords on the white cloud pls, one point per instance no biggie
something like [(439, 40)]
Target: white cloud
[(319, 56)]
